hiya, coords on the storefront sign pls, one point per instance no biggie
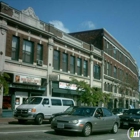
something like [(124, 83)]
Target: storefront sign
[(67, 86), (27, 80)]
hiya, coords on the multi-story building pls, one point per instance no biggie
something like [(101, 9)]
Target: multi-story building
[(41, 60), (120, 72)]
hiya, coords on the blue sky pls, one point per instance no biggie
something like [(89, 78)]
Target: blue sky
[(121, 18)]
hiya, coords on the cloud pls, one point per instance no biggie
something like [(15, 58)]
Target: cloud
[(88, 25), (59, 25)]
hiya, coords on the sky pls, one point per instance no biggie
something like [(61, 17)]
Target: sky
[(121, 18)]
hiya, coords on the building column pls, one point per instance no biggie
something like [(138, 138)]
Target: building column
[(3, 34), (102, 71), (91, 70), (49, 67)]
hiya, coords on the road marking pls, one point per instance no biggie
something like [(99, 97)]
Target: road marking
[(23, 132)]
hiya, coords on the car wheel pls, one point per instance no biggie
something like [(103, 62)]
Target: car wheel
[(21, 121), (86, 130), (39, 119), (115, 128)]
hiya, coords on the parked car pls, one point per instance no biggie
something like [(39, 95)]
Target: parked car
[(39, 108), (118, 111), (87, 120), (130, 118), (68, 111)]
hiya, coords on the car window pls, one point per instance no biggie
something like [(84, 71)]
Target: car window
[(99, 111), (46, 101), (106, 112), (67, 102), (83, 111), (56, 102)]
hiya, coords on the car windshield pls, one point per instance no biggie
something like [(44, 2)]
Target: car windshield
[(84, 111), (33, 100), (134, 111)]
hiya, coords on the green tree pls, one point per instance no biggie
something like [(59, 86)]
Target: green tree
[(3, 82), (90, 95)]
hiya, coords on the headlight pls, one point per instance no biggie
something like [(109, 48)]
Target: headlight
[(32, 110), (74, 121)]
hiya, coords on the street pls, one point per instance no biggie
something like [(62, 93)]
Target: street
[(30, 131)]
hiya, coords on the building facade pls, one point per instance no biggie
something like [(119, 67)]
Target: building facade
[(41, 60)]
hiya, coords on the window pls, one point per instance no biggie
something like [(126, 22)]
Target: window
[(68, 103), (106, 112), (39, 52), (65, 62), (72, 64), (56, 60), (15, 48), (97, 71), (46, 101), (107, 68), (115, 72), (85, 67), (115, 53), (27, 51), (79, 68), (115, 89), (56, 102)]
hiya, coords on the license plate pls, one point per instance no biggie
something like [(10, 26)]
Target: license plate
[(60, 125), (125, 123)]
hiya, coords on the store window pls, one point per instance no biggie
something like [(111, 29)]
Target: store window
[(6, 102), (72, 64), (56, 60), (15, 48), (27, 51), (65, 62)]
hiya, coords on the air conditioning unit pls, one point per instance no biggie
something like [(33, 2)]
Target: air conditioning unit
[(39, 62)]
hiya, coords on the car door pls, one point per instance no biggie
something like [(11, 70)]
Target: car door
[(98, 120), (45, 107), (109, 119)]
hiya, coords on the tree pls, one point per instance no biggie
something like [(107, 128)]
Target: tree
[(3, 82), (90, 95)]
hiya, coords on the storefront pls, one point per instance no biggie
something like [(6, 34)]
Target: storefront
[(20, 88), (65, 89)]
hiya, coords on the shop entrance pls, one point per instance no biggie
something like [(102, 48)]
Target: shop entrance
[(20, 97)]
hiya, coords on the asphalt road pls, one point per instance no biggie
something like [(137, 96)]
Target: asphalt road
[(30, 131)]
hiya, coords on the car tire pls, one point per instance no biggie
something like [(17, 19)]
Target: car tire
[(115, 128), (87, 130), (39, 119), (21, 121)]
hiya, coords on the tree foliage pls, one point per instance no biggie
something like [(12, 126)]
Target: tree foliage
[(3, 82), (90, 95)]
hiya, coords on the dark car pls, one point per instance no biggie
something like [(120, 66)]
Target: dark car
[(118, 111), (130, 118), (86, 120), (68, 111)]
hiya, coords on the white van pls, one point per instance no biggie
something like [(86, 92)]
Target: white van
[(38, 108)]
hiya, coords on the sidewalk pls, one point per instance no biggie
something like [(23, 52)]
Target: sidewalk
[(7, 120)]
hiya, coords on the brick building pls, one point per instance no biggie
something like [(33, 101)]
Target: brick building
[(41, 60)]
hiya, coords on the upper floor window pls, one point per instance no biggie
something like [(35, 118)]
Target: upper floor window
[(126, 61), (27, 51), (107, 68), (79, 66), (97, 71), (39, 52), (15, 48), (85, 67), (56, 60), (65, 62), (115, 72), (72, 64), (115, 53)]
